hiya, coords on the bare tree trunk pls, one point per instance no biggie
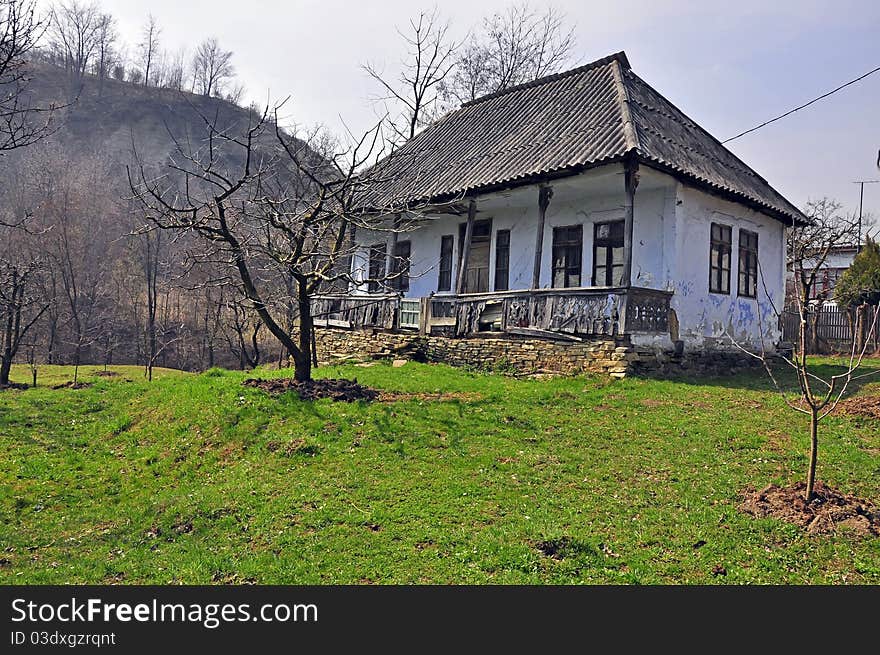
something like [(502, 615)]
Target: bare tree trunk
[(814, 452), (302, 371), (6, 357), (5, 367), (76, 357)]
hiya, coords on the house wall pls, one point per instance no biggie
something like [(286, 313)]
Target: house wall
[(670, 251), (583, 200), (711, 320)]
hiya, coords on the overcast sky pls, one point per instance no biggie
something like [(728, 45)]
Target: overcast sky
[(728, 65)]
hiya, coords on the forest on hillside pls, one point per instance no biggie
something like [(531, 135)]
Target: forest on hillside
[(107, 147)]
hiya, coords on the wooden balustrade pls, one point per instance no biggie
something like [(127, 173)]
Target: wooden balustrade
[(560, 313)]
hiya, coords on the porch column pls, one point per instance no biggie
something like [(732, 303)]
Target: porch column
[(466, 247), (545, 192), (631, 181), (351, 258), (389, 254)]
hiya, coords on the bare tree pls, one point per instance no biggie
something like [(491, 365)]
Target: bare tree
[(21, 122), (211, 67), (282, 216), (177, 70), (135, 76), (512, 47), (151, 248), (21, 304), (76, 32), (243, 334), (148, 47), (416, 90), (809, 246), (106, 55)]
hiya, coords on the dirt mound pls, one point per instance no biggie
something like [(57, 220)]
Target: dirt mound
[(72, 385), (106, 374), (14, 385), (344, 390), (829, 511), (868, 406)]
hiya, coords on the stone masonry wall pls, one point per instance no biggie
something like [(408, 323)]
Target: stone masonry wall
[(614, 356)]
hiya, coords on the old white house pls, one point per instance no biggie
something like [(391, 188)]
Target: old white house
[(583, 203)]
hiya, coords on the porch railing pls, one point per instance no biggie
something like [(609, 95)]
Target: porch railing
[(587, 311), (562, 313)]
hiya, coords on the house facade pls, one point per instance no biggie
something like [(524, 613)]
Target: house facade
[(580, 205)]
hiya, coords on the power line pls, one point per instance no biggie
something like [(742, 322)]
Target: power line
[(788, 113)]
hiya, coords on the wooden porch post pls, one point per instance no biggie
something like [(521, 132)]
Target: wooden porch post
[(392, 246), (544, 194), (466, 247), (631, 181)]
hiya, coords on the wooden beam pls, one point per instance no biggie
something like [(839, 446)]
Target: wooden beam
[(389, 253), (466, 247), (631, 181), (544, 194)]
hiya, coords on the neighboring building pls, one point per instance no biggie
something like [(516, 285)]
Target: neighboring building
[(583, 203), (839, 259)]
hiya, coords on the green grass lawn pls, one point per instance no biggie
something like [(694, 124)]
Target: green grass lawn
[(196, 479)]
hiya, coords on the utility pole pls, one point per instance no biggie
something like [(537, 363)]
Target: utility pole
[(862, 184)]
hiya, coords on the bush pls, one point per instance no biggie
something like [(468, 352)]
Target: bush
[(860, 283)]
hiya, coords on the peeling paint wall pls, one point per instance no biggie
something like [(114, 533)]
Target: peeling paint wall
[(712, 320)]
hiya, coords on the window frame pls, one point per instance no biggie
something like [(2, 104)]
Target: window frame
[(502, 247), (400, 263), (447, 252), (608, 265), (747, 265), (721, 245), (570, 245), (376, 265)]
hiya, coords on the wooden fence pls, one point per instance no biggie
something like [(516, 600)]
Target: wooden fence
[(830, 328)]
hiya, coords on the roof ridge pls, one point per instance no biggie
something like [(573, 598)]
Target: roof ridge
[(619, 57), (630, 133)]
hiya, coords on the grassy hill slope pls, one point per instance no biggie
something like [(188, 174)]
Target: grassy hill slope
[(453, 477)]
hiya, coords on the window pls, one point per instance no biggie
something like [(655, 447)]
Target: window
[(502, 260), (567, 255), (608, 254), (377, 266), (400, 266), (445, 282), (748, 264), (719, 258)]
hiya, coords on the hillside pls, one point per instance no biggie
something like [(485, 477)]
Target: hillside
[(109, 118)]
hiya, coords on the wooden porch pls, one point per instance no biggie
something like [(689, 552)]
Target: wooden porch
[(552, 313)]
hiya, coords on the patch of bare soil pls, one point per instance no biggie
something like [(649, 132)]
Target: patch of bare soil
[(342, 390), (14, 385), (828, 512), (72, 385), (393, 396), (868, 406), (106, 374)]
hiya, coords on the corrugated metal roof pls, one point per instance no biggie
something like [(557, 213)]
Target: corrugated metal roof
[(560, 125)]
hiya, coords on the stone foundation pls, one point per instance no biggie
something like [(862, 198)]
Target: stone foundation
[(615, 356)]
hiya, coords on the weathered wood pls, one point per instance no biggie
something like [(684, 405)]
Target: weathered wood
[(647, 310), (466, 247), (631, 181), (545, 193), (356, 311), (534, 332)]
